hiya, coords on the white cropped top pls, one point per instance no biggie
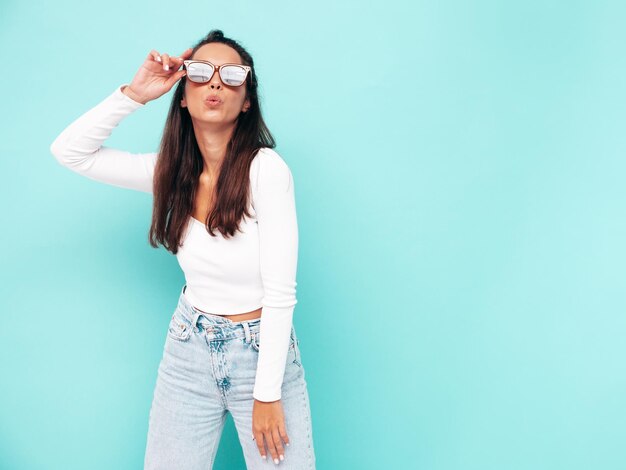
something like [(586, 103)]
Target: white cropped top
[(254, 269)]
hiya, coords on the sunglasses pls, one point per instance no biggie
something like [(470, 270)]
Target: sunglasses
[(201, 71)]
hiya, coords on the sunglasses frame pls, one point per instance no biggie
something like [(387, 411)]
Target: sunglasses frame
[(217, 68)]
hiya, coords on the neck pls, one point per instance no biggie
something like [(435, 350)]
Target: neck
[(213, 142)]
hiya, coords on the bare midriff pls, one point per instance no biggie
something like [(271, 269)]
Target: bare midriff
[(239, 316)]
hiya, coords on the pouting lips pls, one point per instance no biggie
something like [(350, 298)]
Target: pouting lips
[(213, 99)]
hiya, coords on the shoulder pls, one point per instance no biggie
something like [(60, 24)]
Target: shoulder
[(269, 170), (268, 159)]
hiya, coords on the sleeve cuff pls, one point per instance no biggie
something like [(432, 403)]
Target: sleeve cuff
[(119, 95)]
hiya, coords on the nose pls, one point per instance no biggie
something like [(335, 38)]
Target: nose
[(216, 80)]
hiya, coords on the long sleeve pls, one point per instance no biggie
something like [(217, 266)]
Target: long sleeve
[(79, 146), (274, 203)]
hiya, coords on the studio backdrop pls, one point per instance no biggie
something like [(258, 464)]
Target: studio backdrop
[(459, 171)]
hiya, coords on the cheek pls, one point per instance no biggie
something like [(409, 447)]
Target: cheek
[(235, 101)]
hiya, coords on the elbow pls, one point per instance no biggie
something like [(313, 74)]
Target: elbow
[(65, 155), (57, 152), (280, 295)]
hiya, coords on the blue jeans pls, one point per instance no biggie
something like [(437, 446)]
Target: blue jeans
[(208, 369)]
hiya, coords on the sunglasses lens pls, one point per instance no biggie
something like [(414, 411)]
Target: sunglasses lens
[(233, 75), (199, 72)]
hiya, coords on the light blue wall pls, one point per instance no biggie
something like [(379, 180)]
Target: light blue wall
[(459, 172)]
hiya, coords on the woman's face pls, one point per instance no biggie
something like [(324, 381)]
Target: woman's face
[(233, 98)]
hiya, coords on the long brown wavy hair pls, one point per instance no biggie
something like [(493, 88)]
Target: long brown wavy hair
[(180, 163)]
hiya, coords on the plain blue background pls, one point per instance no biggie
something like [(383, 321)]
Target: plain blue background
[(459, 171)]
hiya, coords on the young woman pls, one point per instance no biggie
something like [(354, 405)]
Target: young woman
[(224, 204)]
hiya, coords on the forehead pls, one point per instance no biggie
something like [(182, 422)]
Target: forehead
[(217, 53)]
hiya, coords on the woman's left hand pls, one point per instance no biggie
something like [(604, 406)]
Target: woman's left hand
[(268, 427)]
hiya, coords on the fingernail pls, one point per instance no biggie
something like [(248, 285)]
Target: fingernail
[(287, 444), (264, 456), (282, 457), (276, 461), (167, 67), (159, 58)]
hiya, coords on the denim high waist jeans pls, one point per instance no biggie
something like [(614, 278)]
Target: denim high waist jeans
[(208, 369)]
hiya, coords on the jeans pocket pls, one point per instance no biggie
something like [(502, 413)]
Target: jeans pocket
[(293, 353), (179, 327), (254, 340), (295, 347)]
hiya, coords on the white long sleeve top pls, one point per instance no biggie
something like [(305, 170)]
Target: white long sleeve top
[(254, 269)]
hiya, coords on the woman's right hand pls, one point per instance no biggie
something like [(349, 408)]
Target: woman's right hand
[(152, 80)]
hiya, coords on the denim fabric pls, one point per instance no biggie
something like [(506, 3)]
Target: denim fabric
[(207, 370)]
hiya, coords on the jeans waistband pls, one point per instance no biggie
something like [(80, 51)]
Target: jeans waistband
[(216, 324)]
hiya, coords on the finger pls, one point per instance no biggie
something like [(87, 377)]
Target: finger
[(184, 56), (155, 55), (258, 438), (283, 433), (272, 445), (175, 77), (177, 61), (278, 443), (166, 61), (187, 52)]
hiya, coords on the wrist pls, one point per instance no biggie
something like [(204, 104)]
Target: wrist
[(132, 95), (260, 401)]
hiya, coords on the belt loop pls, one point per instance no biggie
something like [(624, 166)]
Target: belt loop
[(246, 329), (194, 321)]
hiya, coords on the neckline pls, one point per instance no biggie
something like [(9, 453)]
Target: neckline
[(193, 219)]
